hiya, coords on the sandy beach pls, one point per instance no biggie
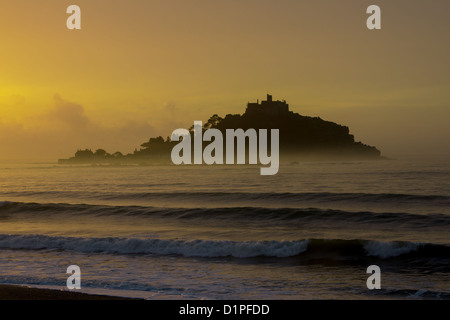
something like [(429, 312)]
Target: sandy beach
[(15, 292)]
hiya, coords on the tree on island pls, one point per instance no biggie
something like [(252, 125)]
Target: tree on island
[(83, 154), (299, 136)]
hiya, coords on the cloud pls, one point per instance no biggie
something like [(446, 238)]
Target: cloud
[(63, 129), (69, 113)]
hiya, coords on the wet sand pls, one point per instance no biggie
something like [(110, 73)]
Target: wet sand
[(12, 292)]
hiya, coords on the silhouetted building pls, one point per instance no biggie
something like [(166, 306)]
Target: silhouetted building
[(270, 107)]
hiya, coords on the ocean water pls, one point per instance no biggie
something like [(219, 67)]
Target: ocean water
[(226, 232)]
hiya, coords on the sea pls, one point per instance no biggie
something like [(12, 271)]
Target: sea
[(199, 232)]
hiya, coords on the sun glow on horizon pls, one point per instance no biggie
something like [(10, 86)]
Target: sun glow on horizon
[(142, 69)]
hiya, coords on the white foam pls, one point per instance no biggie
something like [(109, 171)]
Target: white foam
[(390, 249), (192, 248)]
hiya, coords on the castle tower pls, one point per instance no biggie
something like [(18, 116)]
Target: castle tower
[(269, 107)]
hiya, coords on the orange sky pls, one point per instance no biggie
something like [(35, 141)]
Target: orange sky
[(140, 68)]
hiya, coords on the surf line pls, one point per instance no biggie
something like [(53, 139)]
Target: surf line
[(213, 153)]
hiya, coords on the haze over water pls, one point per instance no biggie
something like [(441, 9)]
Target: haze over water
[(141, 69)]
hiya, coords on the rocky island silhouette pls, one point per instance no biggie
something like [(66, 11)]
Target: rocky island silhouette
[(301, 138)]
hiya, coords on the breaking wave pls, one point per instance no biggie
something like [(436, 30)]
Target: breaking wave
[(217, 248)]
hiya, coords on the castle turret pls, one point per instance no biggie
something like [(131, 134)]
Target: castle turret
[(269, 107)]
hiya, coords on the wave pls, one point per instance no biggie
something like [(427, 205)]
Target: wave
[(237, 197), (411, 294), (193, 248), (222, 214), (322, 248), (322, 196)]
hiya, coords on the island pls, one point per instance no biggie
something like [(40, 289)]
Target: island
[(301, 138)]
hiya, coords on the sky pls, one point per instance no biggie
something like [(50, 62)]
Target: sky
[(142, 68)]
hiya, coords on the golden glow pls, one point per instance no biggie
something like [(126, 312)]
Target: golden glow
[(140, 68)]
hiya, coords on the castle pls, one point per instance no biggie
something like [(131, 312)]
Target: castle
[(269, 107)]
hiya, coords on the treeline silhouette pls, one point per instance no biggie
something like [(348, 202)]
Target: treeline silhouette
[(300, 137)]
